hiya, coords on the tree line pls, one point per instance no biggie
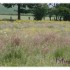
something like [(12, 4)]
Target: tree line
[(60, 11)]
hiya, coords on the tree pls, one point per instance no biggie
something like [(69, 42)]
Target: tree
[(19, 10), (66, 11), (40, 11), (50, 12), (53, 11), (12, 5), (63, 10)]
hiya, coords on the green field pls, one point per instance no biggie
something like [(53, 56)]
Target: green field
[(23, 17), (34, 43)]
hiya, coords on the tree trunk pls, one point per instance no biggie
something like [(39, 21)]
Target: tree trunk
[(18, 11)]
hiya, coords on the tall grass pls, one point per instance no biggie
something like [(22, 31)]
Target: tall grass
[(34, 44)]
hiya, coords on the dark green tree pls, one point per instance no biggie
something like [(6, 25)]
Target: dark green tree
[(21, 8), (50, 13), (63, 10), (40, 11), (12, 5)]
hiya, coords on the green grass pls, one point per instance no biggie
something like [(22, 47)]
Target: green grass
[(34, 43), (23, 17)]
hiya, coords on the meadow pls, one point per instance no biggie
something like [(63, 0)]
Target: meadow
[(34, 43)]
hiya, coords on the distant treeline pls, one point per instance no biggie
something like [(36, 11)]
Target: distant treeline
[(59, 11)]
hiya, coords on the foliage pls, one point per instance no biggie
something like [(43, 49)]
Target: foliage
[(40, 11), (63, 10), (60, 11), (21, 8)]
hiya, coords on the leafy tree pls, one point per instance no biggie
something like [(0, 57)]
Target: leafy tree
[(63, 10), (40, 11), (12, 5), (21, 8), (53, 11), (50, 13), (66, 11)]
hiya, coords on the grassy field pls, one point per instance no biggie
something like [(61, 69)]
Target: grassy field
[(23, 17), (34, 43)]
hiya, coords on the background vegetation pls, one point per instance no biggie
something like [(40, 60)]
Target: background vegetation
[(39, 11)]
